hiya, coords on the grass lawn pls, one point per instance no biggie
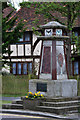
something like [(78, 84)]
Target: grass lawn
[(4, 102), (12, 95)]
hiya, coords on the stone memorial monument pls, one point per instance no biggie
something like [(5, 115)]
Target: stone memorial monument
[(53, 77)]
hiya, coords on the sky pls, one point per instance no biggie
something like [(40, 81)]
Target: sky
[(16, 3)]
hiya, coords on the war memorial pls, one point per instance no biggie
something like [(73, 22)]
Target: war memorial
[(53, 76), (60, 93)]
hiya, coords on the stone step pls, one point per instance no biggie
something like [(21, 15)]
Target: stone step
[(12, 106), (60, 104), (18, 101), (62, 99), (57, 110), (72, 112)]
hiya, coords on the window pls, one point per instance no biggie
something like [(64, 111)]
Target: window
[(26, 37), (14, 68), (19, 68), (29, 67), (21, 39), (22, 68), (76, 68)]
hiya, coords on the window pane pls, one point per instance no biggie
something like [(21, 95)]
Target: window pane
[(29, 67), (25, 68), (21, 39), (14, 68), (19, 68), (27, 36), (75, 67)]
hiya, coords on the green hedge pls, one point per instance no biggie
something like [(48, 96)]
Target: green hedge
[(15, 84)]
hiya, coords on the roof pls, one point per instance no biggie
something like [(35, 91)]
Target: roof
[(8, 10), (53, 24), (28, 16)]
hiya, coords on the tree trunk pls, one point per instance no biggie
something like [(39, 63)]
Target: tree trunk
[(69, 21), (69, 53)]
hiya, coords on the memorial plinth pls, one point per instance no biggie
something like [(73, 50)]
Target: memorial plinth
[(53, 77)]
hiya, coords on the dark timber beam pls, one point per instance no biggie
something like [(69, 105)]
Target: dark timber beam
[(20, 57)]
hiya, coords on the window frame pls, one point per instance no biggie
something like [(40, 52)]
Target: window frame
[(30, 33), (76, 67), (21, 67)]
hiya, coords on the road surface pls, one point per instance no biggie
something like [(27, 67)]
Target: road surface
[(6, 116)]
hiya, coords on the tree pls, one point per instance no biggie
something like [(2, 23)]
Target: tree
[(4, 5), (70, 10), (76, 43), (10, 35)]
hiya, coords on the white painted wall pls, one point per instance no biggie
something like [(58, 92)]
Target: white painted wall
[(27, 49), (21, 60), (13, 48), (34, 38), (37, 61), (20, 50), (72, 48), (37, 50)]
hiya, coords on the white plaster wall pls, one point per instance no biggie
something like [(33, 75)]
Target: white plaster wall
[(20, 50), (5, 54), (37, 62), (27, 49), (37, 50), (13, 48), (72, 48), (34, 38), (24, 60)]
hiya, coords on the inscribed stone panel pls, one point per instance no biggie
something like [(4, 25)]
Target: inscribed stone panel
[(46, 65)]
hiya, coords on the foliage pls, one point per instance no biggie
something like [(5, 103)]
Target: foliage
[(36, 32), (30, 95), (10, 34), (70, 10), (4, 5), (76, 41)]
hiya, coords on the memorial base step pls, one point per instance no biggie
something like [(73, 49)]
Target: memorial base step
[(16, 104), (12, 106), (60, 105)]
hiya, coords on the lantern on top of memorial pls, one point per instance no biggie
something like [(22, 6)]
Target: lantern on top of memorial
[(53, 63)]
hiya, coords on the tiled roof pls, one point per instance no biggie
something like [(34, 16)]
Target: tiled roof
[(27, 15), (8, 10)]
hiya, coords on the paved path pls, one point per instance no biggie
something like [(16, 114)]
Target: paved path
[(9, 98)]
